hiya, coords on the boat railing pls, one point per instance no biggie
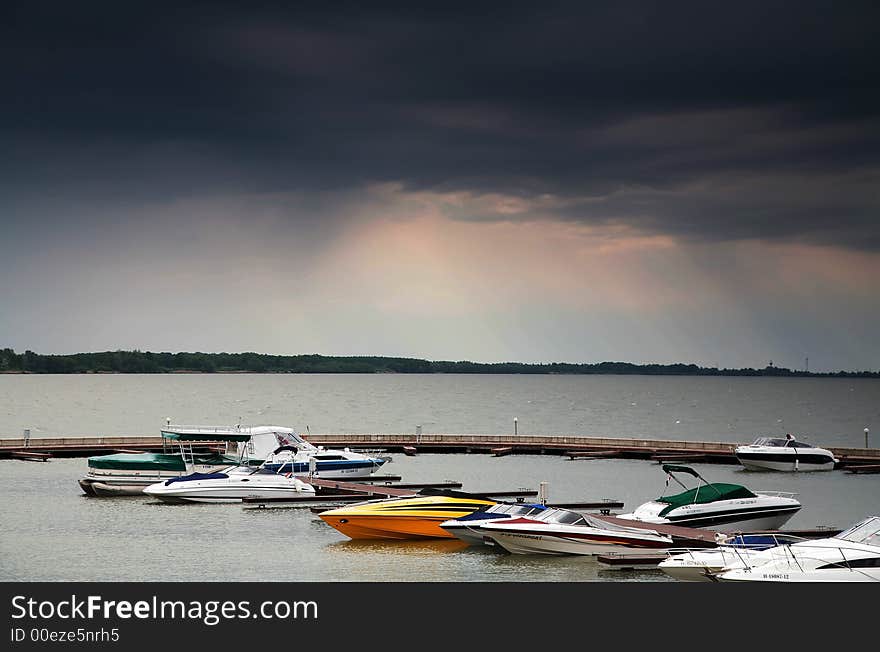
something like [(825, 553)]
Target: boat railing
[(778, 494), (778, 540)]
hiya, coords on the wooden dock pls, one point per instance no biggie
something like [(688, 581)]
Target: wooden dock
[(682, 537), (31, 456), (88, 446), (864, 468), (337, 491), (572, 446), (590, 455)]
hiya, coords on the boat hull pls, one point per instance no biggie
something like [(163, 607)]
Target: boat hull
[(702, 565), (540, 539), (396, 527), (228, 490), (126, 482), (795, 575), (760, 513), (521, 543), (104, 490), (763, 463), (217, 496), (738, 522), (468, 535), (405, 518)]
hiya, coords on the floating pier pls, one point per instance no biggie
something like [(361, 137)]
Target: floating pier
[(864, 468), (31, 456), (337, 491), (682, 537), (572, 446)]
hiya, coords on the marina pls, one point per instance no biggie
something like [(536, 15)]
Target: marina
[(590, 471)]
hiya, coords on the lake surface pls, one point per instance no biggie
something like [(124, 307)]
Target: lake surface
[(52, 532), (826, 411)]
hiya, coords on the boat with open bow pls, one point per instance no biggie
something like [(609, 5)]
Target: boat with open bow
[(233, 484), (467, 527), (556, 531)]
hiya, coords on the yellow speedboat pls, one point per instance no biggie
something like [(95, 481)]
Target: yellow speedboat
[(413, 517)]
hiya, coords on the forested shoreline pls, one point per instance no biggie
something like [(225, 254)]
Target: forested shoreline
[(145, 362)]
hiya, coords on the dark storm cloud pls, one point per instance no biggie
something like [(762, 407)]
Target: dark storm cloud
[(702, 120)]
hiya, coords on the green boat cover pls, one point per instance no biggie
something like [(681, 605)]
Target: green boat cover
[(707, 493), (154, 461)]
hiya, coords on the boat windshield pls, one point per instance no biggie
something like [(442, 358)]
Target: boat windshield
[(867, 532), (770, 441), (563, 516), (779, 442), (508, 508)]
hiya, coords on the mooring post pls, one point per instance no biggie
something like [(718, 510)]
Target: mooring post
[(514, 426), (866, 437)]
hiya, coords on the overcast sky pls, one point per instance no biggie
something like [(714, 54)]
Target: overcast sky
[(537, 182)]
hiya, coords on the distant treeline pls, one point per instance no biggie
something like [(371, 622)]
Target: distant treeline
[(144, 362)]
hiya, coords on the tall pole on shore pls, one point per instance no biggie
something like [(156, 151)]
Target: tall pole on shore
[(866, 437), (514, 426)]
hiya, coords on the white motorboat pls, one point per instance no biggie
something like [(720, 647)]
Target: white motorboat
[(556, 531), (699, 564), (466, 527), (301, 457), (784, 454), (851, 556), (718, 506), (231, 485)]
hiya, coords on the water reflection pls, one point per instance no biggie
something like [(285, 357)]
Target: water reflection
[(407, 547)]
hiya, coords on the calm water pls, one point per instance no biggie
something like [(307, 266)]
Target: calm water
[(827, 411), (52, 532)]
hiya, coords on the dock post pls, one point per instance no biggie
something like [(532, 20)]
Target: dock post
[(866, 437)]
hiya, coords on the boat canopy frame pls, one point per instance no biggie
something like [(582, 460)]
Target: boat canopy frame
[(191, 436), (700, 493)]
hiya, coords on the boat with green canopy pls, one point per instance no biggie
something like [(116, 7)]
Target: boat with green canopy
[(126, 474), (718, 506)]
